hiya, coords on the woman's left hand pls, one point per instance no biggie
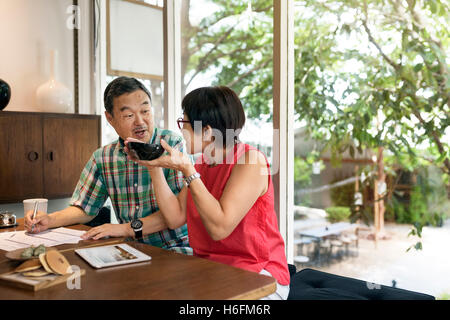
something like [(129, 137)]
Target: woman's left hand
[(108, 230)]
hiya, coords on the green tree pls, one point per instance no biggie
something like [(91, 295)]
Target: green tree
[(235, 43), (378, 79), (394, 72), (369, 74)]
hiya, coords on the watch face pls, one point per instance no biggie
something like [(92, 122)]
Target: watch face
[(136, 224)]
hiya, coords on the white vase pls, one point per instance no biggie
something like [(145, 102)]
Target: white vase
[(53, 96)]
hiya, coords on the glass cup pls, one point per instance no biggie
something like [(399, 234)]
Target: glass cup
[(28, 204)]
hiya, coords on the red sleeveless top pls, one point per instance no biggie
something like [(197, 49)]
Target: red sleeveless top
[(256, 243)]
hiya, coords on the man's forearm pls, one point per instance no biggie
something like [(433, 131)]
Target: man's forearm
[(68, 216), (153, 223)]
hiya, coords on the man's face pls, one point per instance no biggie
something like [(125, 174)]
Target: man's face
[(132, 116)]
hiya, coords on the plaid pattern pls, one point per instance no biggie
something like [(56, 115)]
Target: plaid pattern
[(109, 173)]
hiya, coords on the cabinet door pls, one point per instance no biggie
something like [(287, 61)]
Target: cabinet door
[(68, 145), (20, 157)]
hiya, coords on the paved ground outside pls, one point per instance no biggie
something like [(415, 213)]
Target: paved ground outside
[(426, 270)]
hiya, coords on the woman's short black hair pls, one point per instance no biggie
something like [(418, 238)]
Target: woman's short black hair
[(118, 87), (218, 107)]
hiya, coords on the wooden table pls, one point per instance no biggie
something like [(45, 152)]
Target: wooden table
[(168, 276), (320, 234)]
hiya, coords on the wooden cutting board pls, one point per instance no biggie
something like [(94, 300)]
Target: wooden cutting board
[(38, 283)]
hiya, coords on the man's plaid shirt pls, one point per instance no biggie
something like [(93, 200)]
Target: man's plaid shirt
[(109, 173)]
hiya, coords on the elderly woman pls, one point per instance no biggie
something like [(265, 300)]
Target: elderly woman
[(228, 200)]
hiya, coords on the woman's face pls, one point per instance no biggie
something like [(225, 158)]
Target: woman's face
[(193, 136)]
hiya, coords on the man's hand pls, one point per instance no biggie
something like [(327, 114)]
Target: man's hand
[(41, 222), (109, 230)]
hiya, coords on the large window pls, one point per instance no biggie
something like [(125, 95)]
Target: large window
[(230, 44), (371, 127), (125, 51)]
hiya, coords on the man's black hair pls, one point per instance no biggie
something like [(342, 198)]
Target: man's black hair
[(118, 87)]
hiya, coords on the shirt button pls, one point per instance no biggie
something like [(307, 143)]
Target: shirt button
[(135, 185), (137, 207)]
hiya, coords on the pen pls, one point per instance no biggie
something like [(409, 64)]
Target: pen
[(34, 214)]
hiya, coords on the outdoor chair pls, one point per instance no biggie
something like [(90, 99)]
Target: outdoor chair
[(301, 261), (303, 245), (353, 239), (324, 252), (346, 242), (309, 284), (336, 243)]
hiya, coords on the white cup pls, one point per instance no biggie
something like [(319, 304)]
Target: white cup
[(28, 204)]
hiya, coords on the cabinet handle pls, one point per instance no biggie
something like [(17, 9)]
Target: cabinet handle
[(50, 156), (33, 156)]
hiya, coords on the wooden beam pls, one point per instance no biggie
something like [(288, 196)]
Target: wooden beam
[(172, 63), (283, 115)]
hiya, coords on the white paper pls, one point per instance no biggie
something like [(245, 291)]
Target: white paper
[(10, 241)]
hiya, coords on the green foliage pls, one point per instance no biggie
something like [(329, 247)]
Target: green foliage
[(417, 212), (236, 46), (427, 204), (396, 88), (344, 195), (302, 172), (398, 210), (302, 176), (303, 169), (444, 296), (367, 73), (337, 214), (302, 179)]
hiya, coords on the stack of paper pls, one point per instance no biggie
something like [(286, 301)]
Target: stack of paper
[(10, 241)]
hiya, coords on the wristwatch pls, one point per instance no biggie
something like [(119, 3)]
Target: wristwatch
[(136, 225), (188, 180)]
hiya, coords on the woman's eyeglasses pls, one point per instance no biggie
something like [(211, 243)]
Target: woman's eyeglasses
[(180, 121)]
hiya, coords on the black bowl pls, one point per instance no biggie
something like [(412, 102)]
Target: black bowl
[(146, 151)]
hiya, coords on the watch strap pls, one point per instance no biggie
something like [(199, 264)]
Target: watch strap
[(191, 178), (137, 231)]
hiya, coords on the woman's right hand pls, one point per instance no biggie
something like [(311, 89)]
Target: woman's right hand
[(174, 159), (41, 222)]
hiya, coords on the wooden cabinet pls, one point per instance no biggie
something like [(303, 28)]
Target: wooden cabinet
[(43, 154)]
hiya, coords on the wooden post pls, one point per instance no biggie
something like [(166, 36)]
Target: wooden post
[(357, 208), (376, 216), (379, 191), (382, 181), (283, 120)]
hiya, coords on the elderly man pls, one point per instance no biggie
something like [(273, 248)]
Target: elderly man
[(109, 173)]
